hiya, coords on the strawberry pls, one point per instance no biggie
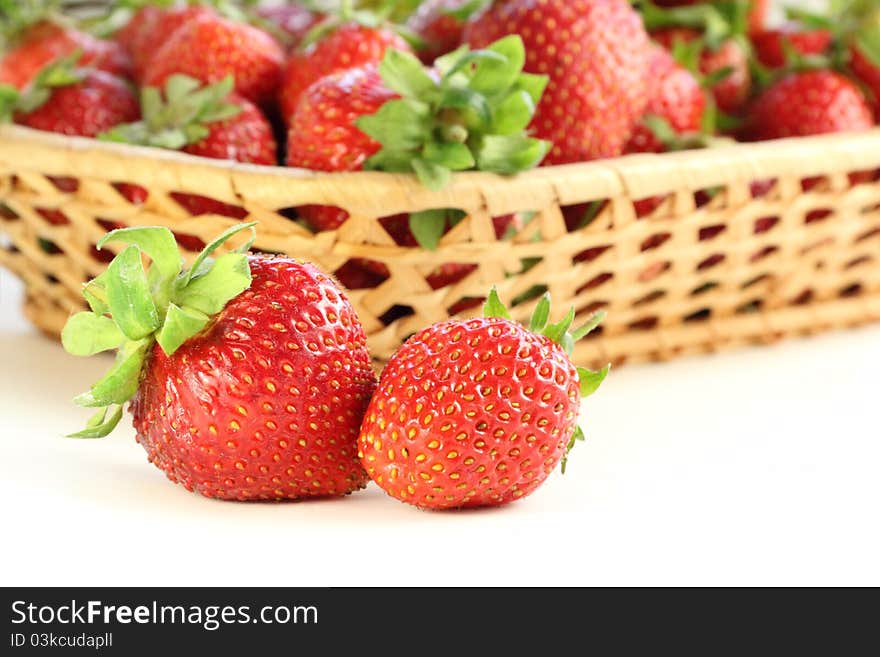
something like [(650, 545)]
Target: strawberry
[(350, 45), (440, 23), (808, 103), (249, 375), (208, 48), (45, 43), (152, 26), (205, 120), (476, 412), (595, 53), (675, 96), (771, 46)]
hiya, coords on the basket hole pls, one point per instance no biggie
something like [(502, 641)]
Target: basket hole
[(465, 304), (653, 271), (754, 281), (48, 246), (395, 313), (863, 260), (109, 224), (647, 206), (752, 306), (705, 287), (853, 290), (814, 216), (581, 215), (51, 279), (591, 254), (591, 308), (803, 298), (198, 205), (699, 316), (864, 237), (449, 274), (355, 274), (761, 188), (711, 232), (765, 224), (64, 183), (644, 324), (815, 183), (763, 253), (655, 241), (863, 177), (711, 261), (651, 297), (134, 194), (6, 213), (54, 217), (704, 197), (101, 255), (189, 242), (529, 295), (596, 281)]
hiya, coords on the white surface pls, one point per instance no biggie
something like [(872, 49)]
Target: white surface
[(758, 466)]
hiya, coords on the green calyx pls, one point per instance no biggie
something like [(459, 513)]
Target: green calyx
[(383, 14), (473, 115), (716, 22), (179, 116), (60, 73), (132, 307), (562, 334)]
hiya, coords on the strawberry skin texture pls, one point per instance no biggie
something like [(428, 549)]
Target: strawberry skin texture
[(441, 31), (809, 103), (245, 137), (596, 54), (470, 413), (770, 44), (349, 46), (674, 94), (87, 108), (265, 403), (46, 43), (209, 48)]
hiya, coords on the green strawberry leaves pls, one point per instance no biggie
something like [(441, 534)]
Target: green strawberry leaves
[(471, 114), (133, 307), (179, 115), (561, 333), (60, 73)]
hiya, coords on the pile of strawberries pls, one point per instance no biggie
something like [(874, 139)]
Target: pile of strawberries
[(340, 88)]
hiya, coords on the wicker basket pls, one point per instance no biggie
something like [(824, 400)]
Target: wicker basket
[(689, 277)]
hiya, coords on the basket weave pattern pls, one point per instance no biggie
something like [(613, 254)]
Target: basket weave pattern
[(712, 266)]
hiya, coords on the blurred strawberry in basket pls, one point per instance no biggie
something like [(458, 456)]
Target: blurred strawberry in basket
[(595, 53), (205, 120)]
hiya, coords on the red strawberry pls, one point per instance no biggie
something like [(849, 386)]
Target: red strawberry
[(348, 46), (46, 42), (675, 96), (476, 412), (733, 90), (251, 386), (596, 54), (440, 24), (209, 121), (152, 26), (209, 48), (808, 103), (771, 45)]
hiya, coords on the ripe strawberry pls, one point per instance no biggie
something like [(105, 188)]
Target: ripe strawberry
[(808, 103), (771, 45), (675, 96), (348, 46), (596, 54), (440, 23), (476, 412), (208, 48), (45, 43), (732, 91), (209, 121), (249, 384), (152, 26)]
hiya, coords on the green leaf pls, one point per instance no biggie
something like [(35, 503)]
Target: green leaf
[(399, 125), (591, 325), (660, 128), (215, 244), (128, 295), (576, 437), (590, 380), (210, 292), (556, 331), (100, 425), (493, 76), (9, 97), (451, 155), (156, 241), (868, 42), (121, 382), (180, 325), (404, 73), (427, 227), (509, 154), (467, 99), (178, 86), (541, 315), (533, 84), (449, 61), (95, 294), (514, 114), (433, 176), (494, 306), (86, 334)]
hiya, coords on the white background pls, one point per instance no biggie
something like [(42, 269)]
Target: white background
[(758, 466)]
